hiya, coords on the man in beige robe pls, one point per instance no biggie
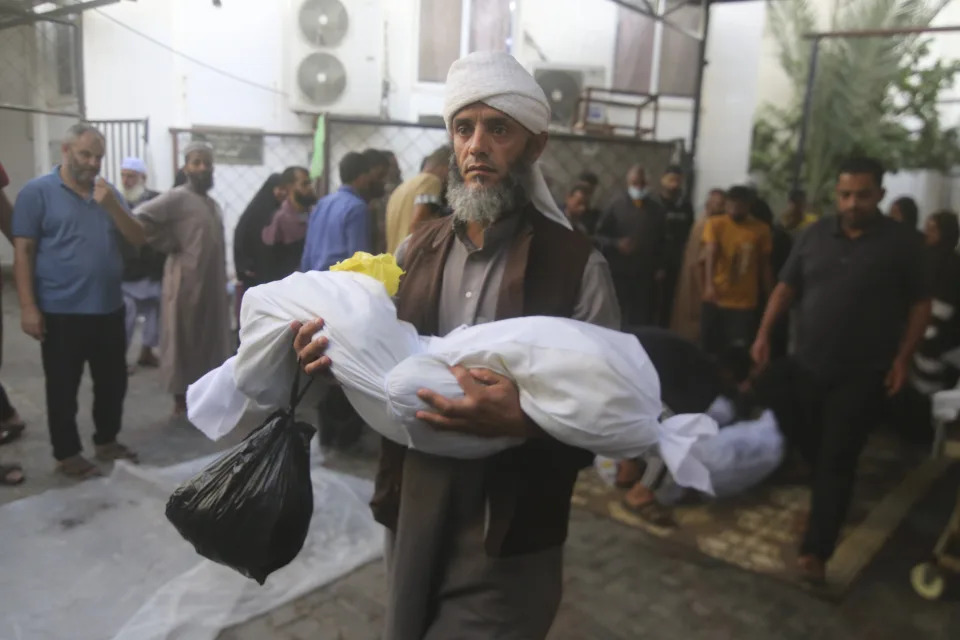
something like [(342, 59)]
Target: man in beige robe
[(187, 225)]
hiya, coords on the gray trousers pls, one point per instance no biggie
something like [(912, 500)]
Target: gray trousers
[(142, 298), (442, 583)]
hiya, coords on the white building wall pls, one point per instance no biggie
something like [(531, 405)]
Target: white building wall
[(28, 142), (128, 76), (730, 88)]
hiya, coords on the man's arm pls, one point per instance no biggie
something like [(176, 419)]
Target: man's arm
[(128, 226), (427, 197), (766, 278), (24, 257), (6, 217), (710, 252), (158, 217), (608, 233), (917, 284), (780, 301), (917, 323)]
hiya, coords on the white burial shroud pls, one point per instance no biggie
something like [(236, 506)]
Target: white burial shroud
[(584, 385)]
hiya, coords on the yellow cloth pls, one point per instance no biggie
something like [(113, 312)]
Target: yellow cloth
[(382, 267), (401, 204), (741, 249)]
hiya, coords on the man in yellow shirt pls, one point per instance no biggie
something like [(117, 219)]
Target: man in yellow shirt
[(418, 199), (738, 274)]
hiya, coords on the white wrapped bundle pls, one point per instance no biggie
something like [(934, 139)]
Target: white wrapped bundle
[(586, 386), (742, 455)]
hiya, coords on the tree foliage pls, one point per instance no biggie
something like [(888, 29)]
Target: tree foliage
[(875, 96)]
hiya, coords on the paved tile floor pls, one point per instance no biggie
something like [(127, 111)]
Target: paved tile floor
[(619, 583)]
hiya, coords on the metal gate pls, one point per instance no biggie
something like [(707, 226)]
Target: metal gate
[(124, 138)]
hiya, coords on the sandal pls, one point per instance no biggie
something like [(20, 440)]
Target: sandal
[(115, 451), (653, 512), (11, 475), (78, 468)]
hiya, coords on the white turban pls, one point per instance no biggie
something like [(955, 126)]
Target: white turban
[(197, 145), (500, 82), (134, 164)]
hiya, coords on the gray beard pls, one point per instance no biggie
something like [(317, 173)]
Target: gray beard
[(132, 195), (485, 205)]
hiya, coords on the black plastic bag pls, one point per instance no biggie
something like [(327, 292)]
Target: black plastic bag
[(251, 509)]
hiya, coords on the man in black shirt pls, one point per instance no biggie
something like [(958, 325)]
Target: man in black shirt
[(678, 221), (863, 302)]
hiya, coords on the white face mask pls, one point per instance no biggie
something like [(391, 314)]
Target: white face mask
[(636, 193)]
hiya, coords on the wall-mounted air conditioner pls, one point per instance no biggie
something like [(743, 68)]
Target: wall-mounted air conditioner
[(564, 85), (334, 56)]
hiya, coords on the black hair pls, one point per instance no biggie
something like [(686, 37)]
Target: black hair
[(289, 175), (797, 196), (740, 194), (717, 190), (760, 209), (860, 164), (909, 210), (588, 177), (376, 158), (353, 165), (674, 168), (580, 187), (949, 226)]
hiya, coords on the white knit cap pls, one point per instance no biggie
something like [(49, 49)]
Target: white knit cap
[(133, 163), (497, 80)]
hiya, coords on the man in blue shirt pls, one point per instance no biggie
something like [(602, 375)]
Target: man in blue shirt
[(68, 272), (339, 225)]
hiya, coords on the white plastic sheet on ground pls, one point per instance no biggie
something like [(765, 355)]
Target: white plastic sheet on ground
[(99, 560)]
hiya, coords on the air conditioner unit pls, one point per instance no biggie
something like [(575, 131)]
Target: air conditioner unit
[(564, 85), (333, 56)]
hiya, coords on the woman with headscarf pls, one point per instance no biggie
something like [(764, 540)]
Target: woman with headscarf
[(250, 254)]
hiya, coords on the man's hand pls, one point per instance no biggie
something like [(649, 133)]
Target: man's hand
[(897, 376), (760, 351), (102, 193), (310, 352), (710, 293), (490, 407), (31, 321), (627, 246)]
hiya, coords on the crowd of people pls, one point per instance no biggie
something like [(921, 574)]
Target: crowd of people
[(823, 320)]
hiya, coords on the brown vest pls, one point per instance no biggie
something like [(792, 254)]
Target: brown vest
[(529, 486)]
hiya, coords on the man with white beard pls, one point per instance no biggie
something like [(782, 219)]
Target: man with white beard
[(475, 547), (142, 270)]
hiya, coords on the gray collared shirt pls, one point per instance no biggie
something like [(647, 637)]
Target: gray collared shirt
[(472, 277)]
